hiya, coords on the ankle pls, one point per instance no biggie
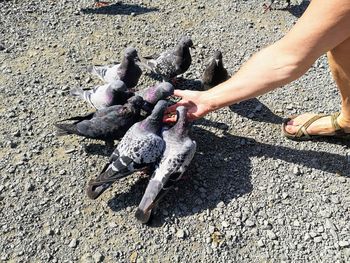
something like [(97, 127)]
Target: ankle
[(344, 121)]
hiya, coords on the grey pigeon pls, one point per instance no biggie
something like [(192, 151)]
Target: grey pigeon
[(128, 70), (141, 147), (215, 73), (173, 62), (114, 93), (153, 94), (107, 124), (178, 153)]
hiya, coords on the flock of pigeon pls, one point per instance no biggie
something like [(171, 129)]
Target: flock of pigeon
[(136, 119)]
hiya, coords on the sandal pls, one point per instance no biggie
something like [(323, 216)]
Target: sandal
[(302, 134)]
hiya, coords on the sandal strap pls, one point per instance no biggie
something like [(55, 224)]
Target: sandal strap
[(334, 118), (302, 130)]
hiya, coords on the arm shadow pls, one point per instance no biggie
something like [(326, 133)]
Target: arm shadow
[(255, 110), (119, 9)]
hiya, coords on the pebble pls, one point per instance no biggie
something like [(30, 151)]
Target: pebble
[(344, 244), (261, 243), (73, 243), (98, 257), (180, 233), (225, 224), (271, 235), (249, 223)]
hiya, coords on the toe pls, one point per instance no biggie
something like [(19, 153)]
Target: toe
[(291, 127)]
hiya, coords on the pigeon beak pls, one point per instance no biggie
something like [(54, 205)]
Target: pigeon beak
[(217, 61), (137, 59)]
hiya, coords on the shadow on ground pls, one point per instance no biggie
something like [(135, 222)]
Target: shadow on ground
[(298, 9), (255, 110), (119, 9), (221, 171)]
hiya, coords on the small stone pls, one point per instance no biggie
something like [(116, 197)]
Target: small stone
[(271, 235), (98, 257), (320, 229), (296, 170), (261, 243), (325, 213), (180, 234), (317, 239), (296, 223), (70, 151), (307, 237), (225, 224), (62, 172), (211, 229), (285, 195), (73, 243), (335, 200), (312, 234), (344, 243), (249, 223)]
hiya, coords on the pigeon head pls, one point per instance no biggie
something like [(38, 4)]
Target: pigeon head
[(136, 101), (118, 85), (130, 53), (181, 124), (159, 92), (186, 41), (217, 56)]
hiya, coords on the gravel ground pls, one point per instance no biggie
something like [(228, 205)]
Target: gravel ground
[(250, 195)]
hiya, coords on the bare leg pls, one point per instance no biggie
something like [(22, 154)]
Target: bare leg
[(339, 62)]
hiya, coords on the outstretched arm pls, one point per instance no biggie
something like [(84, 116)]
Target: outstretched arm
[(323, 26)]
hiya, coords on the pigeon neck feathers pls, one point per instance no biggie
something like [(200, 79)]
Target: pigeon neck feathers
[(155, 120), (181, 125)]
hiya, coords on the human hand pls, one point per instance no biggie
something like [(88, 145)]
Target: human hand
[(194, 101)]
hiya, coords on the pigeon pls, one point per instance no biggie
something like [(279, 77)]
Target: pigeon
[(141, 147), (107, 124), (100, 97), (127, 71), (171, 63), (178, 153), (153, 94), (215, 73)]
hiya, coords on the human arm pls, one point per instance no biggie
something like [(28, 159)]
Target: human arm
[(324, 25)]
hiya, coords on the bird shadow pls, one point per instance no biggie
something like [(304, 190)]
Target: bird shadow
[(255, 110), (221, 172), (119, 9)]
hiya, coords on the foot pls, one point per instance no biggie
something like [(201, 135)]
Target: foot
[(322, 126)]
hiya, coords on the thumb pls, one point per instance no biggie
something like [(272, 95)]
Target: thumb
[(179, 92)]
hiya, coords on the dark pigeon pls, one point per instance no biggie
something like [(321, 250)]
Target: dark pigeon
[(172, 62), (107, 124), (114, 93), (178, 153), (215, 73), (141, 147), (128, 70)]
